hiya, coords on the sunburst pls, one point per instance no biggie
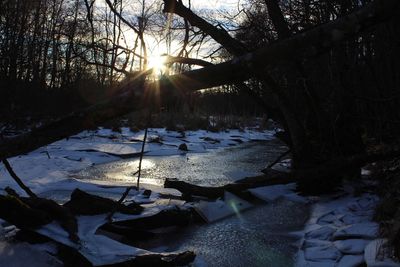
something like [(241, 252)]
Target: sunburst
[(157, 63)]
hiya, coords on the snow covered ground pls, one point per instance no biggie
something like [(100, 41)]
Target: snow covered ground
[(49, 169), (340, 231)]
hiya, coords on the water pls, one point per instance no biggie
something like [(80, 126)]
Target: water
[(257, 237), (198, 168)]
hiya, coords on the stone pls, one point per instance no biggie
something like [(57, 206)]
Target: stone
[(322, 253), (351, 246), (351, 261), (322, 233), (367, 230), (183, 147)]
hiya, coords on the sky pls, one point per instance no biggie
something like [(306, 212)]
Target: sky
[(215, 10), (216, 4)]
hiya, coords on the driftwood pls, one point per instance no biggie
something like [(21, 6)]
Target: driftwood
[(83, 203)]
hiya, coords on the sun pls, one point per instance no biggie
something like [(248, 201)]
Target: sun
[(157, 63)]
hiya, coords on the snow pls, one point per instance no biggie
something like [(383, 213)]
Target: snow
[(351, 246), (322, 253), (89, 148), (49, 171), (98, 249), (273, 192), (222, 208), (367, 230), (339, 232), (351, 261), (322, 233)]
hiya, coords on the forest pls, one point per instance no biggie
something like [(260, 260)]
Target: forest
[(312, 84)]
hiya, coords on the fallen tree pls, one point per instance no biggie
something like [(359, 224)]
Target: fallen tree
[(31, 213), (307, 44)]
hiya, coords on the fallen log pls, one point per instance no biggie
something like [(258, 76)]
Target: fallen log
[(25, 213), (83, 203), (272, 178), (194, 190)]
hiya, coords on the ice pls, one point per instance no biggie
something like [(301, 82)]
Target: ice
[(90, 148)]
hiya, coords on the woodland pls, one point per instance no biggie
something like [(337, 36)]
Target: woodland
[(326, 71)]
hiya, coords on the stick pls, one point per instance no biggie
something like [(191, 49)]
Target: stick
[(18, 180), (141, 158), (128, 189)]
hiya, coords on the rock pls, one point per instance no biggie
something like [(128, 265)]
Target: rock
[(351, 246), (322, 253), (183, 147), (330, 218), (322, 233), (147, 193), (156, 139), (351, 261), (315, 243), (367, 230), (363, 206), (352, 219)]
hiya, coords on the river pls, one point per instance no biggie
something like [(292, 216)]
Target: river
[(257, 237)]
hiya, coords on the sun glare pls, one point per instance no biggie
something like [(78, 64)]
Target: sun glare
[(157, 63)]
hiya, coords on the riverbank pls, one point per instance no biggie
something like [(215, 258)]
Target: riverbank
[(339, 232)]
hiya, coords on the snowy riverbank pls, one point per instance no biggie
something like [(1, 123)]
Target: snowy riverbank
[(50, 167), (340, 231)]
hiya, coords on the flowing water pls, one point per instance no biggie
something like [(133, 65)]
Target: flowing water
[(257, 237)]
